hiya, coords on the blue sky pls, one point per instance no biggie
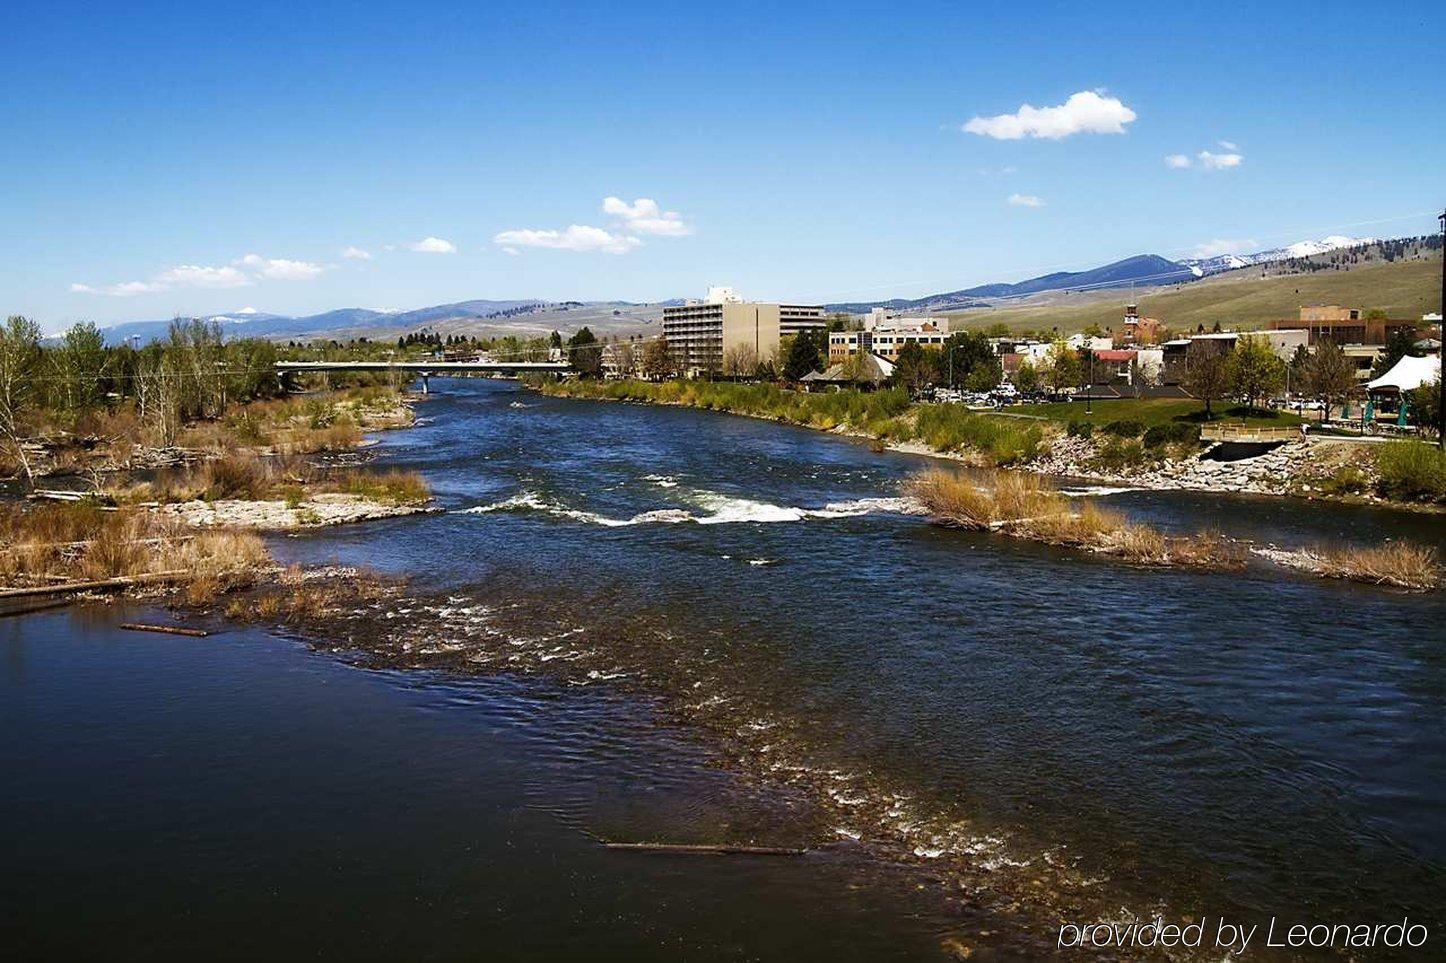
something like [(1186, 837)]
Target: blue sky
[(162, 159)]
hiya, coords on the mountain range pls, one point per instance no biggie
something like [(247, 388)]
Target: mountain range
[(1229, 262), (534, 316)]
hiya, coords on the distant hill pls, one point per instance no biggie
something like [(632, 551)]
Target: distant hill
[(1140, 269), (258, 324), (1152, 270), (1244, 298)]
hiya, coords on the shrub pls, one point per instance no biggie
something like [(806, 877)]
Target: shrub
[(950, 427), (1411, 471), (1346, 480), (1120, 453), (1126, 427), (1175, 432), (1080, 429)]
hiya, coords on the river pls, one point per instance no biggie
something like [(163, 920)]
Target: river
[(660, 624)]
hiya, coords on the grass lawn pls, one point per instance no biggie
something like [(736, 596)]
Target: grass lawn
[(1151, 411)]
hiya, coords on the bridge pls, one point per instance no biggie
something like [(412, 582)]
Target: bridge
[(1239, 431), (426, 369)]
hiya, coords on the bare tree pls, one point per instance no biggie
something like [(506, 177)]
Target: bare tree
[(20, 360), (657, 360), (1329, 376), (1206, 376), (740, 361)]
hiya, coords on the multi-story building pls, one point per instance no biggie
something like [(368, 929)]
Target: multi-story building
[(705, 337), (886, 336), (1346, 325)]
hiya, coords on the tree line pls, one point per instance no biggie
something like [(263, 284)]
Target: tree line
[(191, 373)]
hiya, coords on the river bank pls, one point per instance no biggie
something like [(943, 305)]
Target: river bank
[(264, 467), (1313, 467)]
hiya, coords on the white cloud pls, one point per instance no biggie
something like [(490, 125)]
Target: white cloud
[(1222, 245), (281, 269), (1228, 145), (643, 216), (354, 253), (202, 276), (577, 237), (640, 217), (1218, 162), (124, 289), (1085, 112), (1026, 200), (434, 245), (1206, 159), (240, 273)]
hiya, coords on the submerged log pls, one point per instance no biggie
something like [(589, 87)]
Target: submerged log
[(708, 849), (40, 606), (167, 629)]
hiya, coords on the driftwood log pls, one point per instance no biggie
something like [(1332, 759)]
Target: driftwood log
[(708, 849), (166, 629), (97, 585)]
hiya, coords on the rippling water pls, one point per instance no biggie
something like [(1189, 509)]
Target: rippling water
[(685, 625)]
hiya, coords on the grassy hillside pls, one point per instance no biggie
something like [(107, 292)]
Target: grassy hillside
[(1242, 299)]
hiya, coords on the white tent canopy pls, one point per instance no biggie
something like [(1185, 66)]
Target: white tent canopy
[(1408, 374)]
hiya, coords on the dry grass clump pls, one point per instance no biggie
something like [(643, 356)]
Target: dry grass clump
[(246, 476), (393, 487), (1008, 499), (55, 543), (299, 597), (1402, 564), (1022, 506)]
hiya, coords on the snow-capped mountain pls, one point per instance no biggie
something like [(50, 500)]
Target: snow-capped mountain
[(1229, 262)]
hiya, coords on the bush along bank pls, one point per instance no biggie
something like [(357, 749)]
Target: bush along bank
[(1123, 451)]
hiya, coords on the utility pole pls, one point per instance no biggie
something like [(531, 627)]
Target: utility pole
[(1441, 352)]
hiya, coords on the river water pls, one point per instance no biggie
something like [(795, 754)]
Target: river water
[(658, 624)]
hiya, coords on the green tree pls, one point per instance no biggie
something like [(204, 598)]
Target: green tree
[(985, 375), (1026, 377), (79, 363), (1062, 367), (804, 355), (585, 352), (1425, 405), (1254, 370), (1399, 344), (917, 367), (962, 351)]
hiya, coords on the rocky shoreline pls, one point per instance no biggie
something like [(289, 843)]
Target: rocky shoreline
[(316, 511)]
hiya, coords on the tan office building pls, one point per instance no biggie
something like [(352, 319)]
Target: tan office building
[(709, 337)]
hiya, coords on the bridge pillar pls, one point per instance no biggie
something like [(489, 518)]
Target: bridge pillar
[(424, 381)]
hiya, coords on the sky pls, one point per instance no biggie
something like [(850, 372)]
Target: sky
[(164, 159)]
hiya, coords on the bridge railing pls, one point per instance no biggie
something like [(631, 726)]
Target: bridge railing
[(1240, 431)]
